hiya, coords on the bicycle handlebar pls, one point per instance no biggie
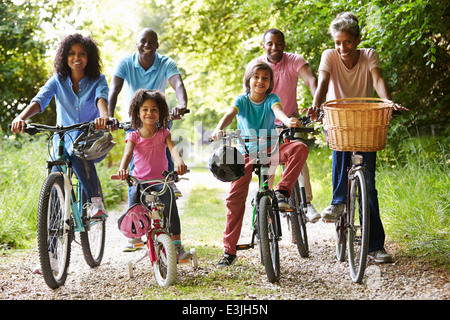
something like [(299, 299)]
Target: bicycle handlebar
[(131, 180), (126, 125), (34, 128)]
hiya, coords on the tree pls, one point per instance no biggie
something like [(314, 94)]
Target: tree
[(216, 39), (23, 66)]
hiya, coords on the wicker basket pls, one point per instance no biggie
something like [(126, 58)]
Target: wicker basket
[(357, 124)]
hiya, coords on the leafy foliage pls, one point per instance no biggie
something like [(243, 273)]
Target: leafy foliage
[(22, 58), (216, 39)]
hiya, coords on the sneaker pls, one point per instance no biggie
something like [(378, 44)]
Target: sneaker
[(282, 201), (96, 208), (133, 245), (311, 214), (182, 254), (380, 256), (176, 192), (226, 260), (333, 212)]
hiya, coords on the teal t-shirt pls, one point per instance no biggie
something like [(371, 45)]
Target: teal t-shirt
[(256, 120)]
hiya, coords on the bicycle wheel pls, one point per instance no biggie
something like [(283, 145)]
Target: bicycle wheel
[(92, 238), (54, 236), (358, 230), (268, 238), (298, 222), (166, 265)]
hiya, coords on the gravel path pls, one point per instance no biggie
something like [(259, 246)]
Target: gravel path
[(320, 276)]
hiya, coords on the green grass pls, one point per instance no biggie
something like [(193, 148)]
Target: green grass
[(415, 207)]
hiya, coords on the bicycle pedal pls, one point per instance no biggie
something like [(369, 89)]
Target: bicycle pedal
[(244, 246), (183, 261)]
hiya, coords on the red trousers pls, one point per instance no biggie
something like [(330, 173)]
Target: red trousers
[(293, 155)]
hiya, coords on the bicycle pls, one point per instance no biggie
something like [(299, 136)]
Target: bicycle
[(62, 212), (266, 224), (161, 249), (296, 217), (352, 227)]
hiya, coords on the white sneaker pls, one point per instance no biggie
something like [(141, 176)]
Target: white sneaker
[(333, 212), (176, 191), (311, 214), (133, 245), (380, 256), (182, 254), (96, 208)]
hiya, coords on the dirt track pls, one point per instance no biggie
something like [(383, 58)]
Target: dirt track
[(318, 277)]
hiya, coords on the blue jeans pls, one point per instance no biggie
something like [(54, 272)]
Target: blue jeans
[(168, 198), (87, 174), (341, 162)]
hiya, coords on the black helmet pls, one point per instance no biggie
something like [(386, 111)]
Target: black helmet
[(227, 164)]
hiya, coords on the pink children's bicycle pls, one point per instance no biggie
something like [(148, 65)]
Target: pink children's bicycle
[(147, 219)]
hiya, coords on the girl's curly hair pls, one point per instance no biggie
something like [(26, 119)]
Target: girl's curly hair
[(138, 100), (93, 68)]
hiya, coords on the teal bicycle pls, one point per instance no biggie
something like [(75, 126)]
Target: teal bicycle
[(62, 212)]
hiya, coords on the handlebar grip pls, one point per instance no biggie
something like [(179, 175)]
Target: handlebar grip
[(308, 129), (115, 177)]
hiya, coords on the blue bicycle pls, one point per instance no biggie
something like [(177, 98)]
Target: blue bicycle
[(62, 212)]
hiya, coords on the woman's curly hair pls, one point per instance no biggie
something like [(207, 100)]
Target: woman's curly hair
[(138, 100), (93, 68)]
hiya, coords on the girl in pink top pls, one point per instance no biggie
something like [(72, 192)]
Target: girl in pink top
[(150, 115)]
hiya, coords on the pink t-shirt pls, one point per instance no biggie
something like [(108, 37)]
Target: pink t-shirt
[(285, 74), (349, 83), (149, 154)]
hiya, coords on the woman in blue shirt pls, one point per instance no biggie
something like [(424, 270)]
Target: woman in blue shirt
[(81, 94)]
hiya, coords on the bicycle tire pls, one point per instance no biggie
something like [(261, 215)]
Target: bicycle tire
[(92, 239), (358, 221), (298, 222), (53, 237), (268, 238), (341, 237), (166, 265)]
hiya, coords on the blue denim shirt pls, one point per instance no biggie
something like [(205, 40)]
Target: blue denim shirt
[(73, 108)]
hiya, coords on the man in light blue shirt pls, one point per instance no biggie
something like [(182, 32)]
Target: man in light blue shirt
[(147, 69)]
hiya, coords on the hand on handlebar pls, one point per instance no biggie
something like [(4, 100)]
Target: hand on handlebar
[(398, 107), (314, 113), (293, 122), (178, 112), (18, 125), (122, 173), (217, 135), (182, 169), (101, 122), (114, 124)]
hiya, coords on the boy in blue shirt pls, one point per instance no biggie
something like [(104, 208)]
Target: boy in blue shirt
[(256, 111)]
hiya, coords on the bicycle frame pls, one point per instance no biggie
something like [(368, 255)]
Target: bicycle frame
[(356, 165), (72, 205), (156, 210)]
